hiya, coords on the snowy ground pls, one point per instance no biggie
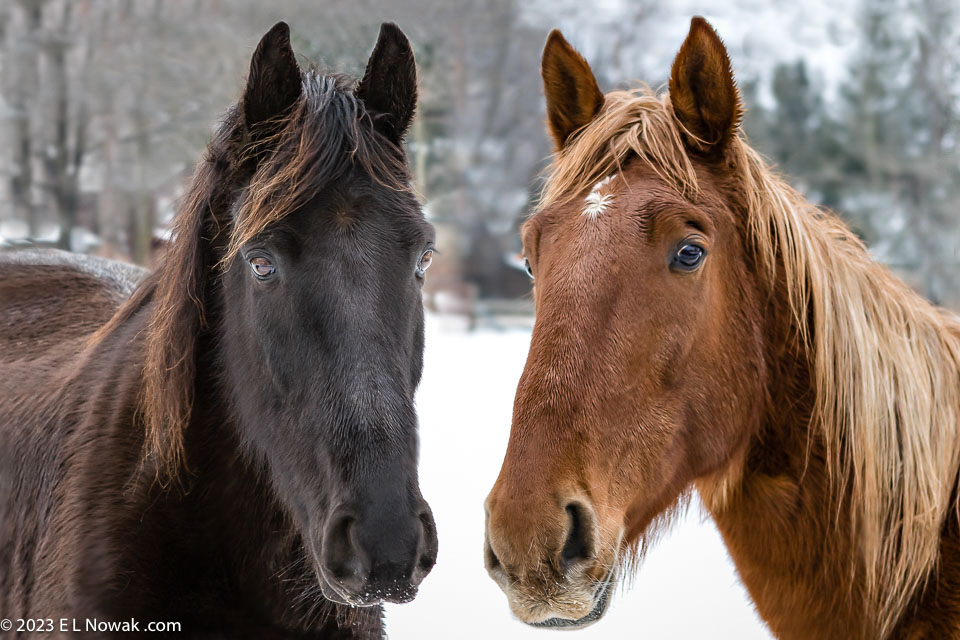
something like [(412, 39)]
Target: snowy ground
[(686, 588)]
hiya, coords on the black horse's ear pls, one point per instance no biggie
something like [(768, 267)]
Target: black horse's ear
[(573, 96), (389, 85), (274, 83), (704, 95)]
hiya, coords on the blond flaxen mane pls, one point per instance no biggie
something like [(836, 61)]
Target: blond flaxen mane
[(885, 362)]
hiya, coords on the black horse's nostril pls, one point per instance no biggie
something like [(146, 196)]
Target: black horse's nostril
[(344, 560), (428, 546), (578, 545)]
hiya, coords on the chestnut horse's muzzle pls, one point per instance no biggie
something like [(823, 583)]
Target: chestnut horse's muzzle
[(554, 569)]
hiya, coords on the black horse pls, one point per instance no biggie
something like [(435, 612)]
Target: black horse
[(230, 444)]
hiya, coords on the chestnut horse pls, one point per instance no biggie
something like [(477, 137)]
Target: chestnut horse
[(701, 325), (233, 447)]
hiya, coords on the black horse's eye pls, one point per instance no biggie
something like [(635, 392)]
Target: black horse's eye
[(262, 267), (424, 262), (527, 268), (689, 256)]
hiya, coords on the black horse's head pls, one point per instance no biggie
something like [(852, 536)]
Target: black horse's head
[(319, 318), (322, 315)]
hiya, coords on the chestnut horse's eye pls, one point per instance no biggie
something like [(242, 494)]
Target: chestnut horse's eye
[(689, 257), (526, 266), (424, 262), (262, 267)]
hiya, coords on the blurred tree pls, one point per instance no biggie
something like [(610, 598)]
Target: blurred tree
[(107, 104), (23, 21), (902, 126), (884, 154)]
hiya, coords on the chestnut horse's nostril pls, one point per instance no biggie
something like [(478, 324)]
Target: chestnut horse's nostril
[(490, 558), (579, 543)]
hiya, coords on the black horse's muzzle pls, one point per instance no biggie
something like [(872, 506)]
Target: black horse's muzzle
[(370, 555)]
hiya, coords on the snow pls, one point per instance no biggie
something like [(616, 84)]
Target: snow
[(686, 588), (13, 231)]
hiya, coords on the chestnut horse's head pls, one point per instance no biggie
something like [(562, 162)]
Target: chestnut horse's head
[(646, 360)]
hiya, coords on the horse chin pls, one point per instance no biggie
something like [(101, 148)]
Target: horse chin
[(338, 595), (333, 594), (601, 600)]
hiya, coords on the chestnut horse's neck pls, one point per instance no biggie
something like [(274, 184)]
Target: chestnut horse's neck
[(775, 507), (822, 551)]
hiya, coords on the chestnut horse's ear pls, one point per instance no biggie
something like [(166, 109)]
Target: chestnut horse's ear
[(704, 96), (573, 97), (389, 85), (274, 84)]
